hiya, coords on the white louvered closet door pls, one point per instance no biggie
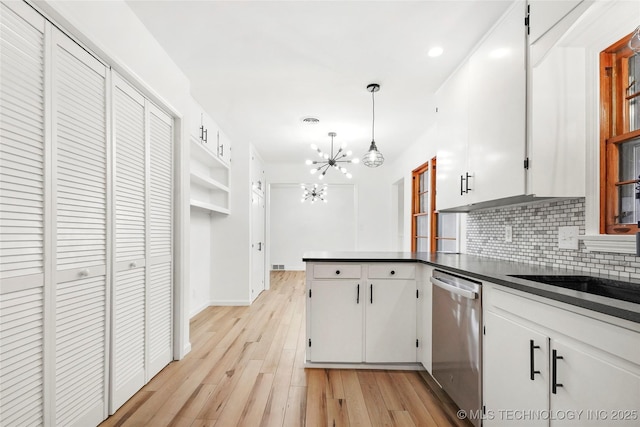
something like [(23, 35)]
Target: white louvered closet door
[(80, 216), (22, 218), (160, 285), (128, 367)]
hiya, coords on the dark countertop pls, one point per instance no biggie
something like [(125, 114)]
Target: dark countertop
[(498, 271)]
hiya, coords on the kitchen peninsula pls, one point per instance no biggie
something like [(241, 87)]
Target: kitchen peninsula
[(578, 349)]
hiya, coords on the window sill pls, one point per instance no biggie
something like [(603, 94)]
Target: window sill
[(610, 243)]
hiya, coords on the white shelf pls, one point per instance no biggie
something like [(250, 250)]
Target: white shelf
[(210, 183), (203, 155), (209, 207)]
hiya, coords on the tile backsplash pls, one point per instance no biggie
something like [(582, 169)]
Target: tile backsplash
[(535, 238)]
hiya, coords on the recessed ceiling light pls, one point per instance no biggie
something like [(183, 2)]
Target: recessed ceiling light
[(310, 120), (435, 51)]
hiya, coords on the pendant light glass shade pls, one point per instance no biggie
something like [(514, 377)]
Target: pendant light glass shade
[(373, 158)]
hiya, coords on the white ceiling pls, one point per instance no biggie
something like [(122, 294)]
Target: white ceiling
[(259, 67)]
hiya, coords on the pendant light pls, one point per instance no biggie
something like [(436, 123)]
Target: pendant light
[(373, 158)]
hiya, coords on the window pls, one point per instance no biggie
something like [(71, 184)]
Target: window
[(421, 228), (620, 139)]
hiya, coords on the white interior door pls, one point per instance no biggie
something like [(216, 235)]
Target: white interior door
[(257, 245), (129, 286), (159, 318), (22, 217), (80, 216)]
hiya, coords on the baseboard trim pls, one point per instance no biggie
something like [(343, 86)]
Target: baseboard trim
[(230, 302), (198, 309), (385, 366)]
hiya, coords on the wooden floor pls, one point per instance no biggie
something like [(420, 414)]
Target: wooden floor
[(246, 369)]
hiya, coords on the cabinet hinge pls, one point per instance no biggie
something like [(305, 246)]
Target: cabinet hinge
[(309, 293), (527, 20), (309, 342), (526, 163), (417, 343)]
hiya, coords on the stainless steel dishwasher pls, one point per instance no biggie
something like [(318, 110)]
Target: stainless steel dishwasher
[(457, 340)]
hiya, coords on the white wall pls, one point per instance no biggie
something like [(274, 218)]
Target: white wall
[(298, 227), (112, 31)]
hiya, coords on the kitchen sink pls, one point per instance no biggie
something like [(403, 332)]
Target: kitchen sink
[(617, 289)]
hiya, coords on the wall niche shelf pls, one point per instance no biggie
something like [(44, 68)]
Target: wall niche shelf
[(209, 180)]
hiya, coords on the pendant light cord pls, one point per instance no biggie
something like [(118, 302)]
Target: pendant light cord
[(373, 122)]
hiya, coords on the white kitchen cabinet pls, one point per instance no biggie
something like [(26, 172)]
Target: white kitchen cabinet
[(516, 368), (594, 361), (390, 321), (223, 147), (497, 102), (524, 120), (362, 313), (336, 321), (452, 118), (481, 119)]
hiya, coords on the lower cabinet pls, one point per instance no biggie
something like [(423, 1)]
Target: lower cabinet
[(547, 366), (335, 321), (361, 313)]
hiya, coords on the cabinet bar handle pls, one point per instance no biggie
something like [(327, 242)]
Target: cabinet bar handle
[(554, 371), (358, 295), (532, 369), (371, 293), (467, 183), (461, 185), (221, 150), (206, 136)]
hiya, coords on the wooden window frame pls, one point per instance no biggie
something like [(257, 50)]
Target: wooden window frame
[(614, 125), (429, 166)]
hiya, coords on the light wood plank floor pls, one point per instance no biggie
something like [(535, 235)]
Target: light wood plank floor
[(246, 369)]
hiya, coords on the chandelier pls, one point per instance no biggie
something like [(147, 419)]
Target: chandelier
[(331, 160), (313, 192), (373, 158)]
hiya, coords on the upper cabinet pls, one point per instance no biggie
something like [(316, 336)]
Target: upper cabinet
[(209, 168), (511, 129)]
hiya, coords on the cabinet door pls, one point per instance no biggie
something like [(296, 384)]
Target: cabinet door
[(22, 215), (80, 216), (595, 382), (497, 110), (195, 121), (209, 133), (159, 318), (390, 321), (224, 148), (336, 321), (452, 121), (508, 361), (129, 293)]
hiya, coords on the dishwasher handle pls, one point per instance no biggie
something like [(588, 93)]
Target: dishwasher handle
[(454, 289)]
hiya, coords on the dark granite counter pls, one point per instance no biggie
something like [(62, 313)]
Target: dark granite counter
[(498, 272)]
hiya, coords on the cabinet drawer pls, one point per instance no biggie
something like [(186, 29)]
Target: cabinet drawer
[(392, 271), (337, 271)]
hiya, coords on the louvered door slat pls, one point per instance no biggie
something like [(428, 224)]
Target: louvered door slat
[(22, 139), (21, 356), (80, 142), (128, 341), (160, 283)]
